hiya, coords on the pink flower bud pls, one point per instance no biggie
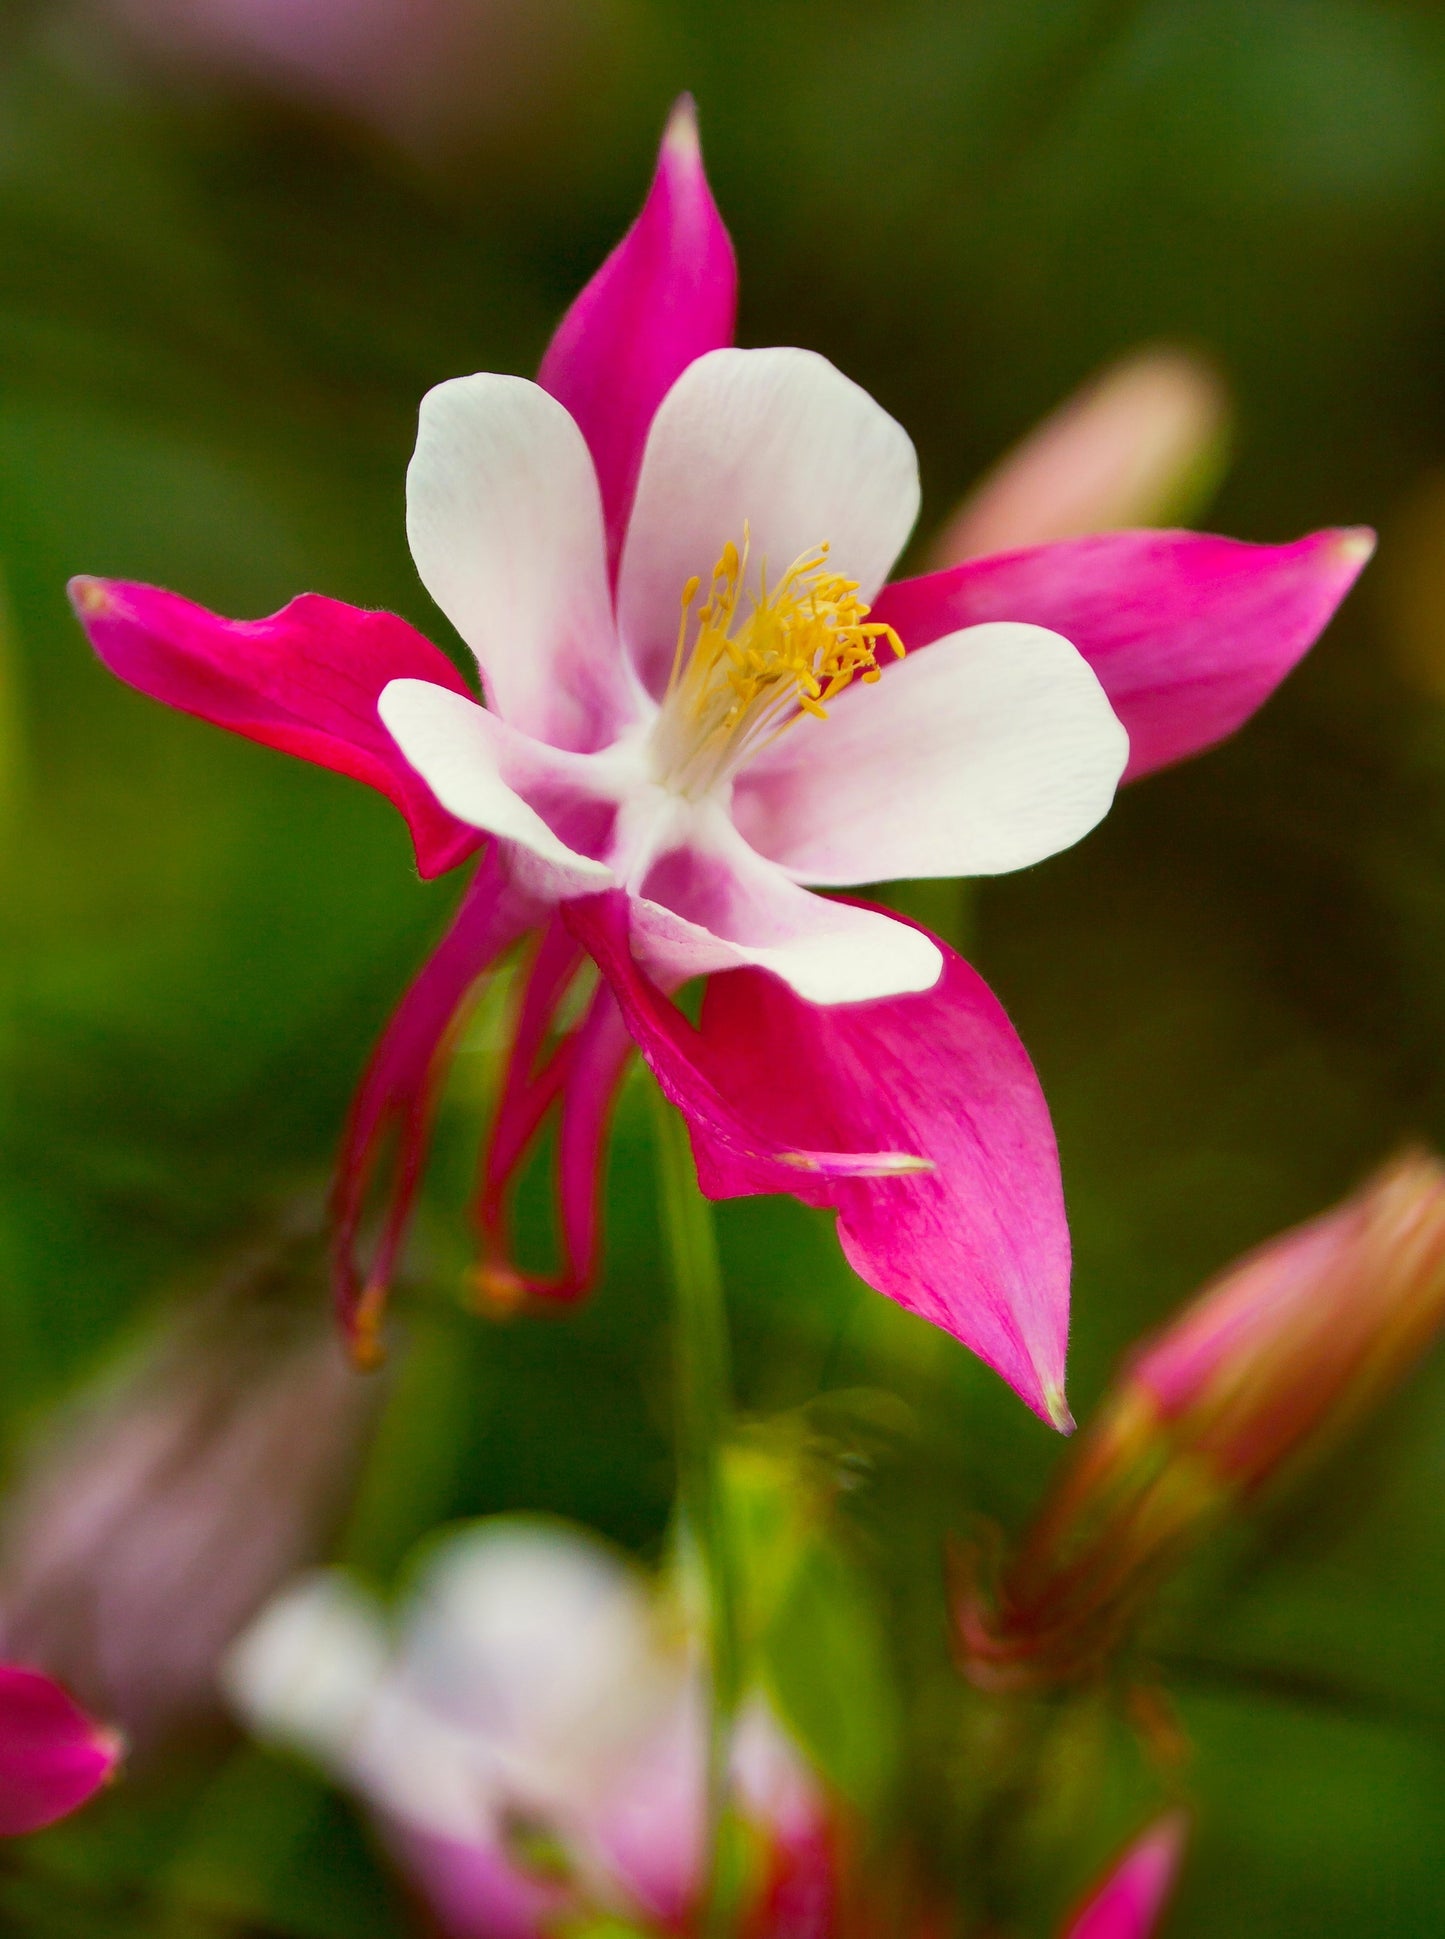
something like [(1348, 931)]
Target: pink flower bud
[(162, 1507), (1268, 1366), (1139, 444)]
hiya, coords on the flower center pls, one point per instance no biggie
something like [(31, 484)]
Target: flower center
[(740, 679)]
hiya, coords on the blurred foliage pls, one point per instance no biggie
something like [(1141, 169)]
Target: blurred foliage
[(217, 314)]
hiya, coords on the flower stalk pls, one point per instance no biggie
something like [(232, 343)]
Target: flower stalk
[(702, 1388)]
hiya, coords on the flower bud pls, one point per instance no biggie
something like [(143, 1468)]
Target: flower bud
[(1140, 444), (1266, 1368), (163, 1506)]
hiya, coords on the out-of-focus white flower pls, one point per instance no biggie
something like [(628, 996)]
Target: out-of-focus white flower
[(530, 1733)]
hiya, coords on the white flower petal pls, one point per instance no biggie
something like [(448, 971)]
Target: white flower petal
[(504, 517), (309, 1667), (782, 442), (485, 774), (537, 1641), (716, 905), (984, 752)]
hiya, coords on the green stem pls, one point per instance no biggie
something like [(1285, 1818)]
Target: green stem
[(703, 1401)]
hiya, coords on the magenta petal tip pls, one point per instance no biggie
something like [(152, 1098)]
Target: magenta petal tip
[(1129, 1903), (89, 595), (1058, 1410), (1357, 544), (681, 137)]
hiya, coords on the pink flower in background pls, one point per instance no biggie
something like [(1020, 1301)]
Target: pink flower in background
[(1140, 441), (1127, 1905), (702, 704), (530, 1734), (160, 1507), (53, 1758), (420, 72)]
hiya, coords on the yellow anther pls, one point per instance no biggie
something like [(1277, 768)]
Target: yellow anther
[(746, 677)]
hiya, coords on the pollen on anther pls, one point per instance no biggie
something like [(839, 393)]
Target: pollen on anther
[(740, 678)]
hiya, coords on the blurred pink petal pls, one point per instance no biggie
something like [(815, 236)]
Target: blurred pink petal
[(425, 73), (306, 681), (1124, 450), (666, 294), (1189, 634), (477, 1890), (780, 1094), (52, 1756), (1305, 1334), (1128, 1904), (163, 1503)]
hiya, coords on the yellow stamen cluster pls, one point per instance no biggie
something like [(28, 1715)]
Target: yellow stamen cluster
[(747, 679)]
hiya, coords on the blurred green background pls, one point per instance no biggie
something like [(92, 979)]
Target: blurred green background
[(222, 293)]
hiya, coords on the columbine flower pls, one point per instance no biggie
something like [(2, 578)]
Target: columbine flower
[(667, 555), (1277, 1358), (531, 1737), (53, 1758)]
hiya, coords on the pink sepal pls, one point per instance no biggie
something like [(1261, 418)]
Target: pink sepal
[(666, 295), (306, 681), (1127, 1905), (399, 1092), (918, 1119), (1188, 634), (693, 1076), (52, 1756)]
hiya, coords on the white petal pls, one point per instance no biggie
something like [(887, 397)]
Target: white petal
[(537, 1641), (716, 905), (505, 521), (782, 442), (487, 775), (307, 1669), (984, 752)]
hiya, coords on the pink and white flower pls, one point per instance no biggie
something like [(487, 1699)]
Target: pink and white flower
[(702, 704), (531, 1736)]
